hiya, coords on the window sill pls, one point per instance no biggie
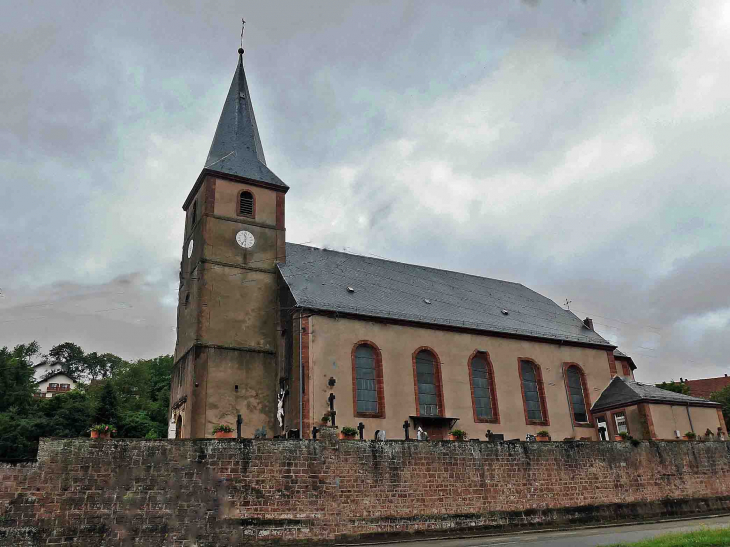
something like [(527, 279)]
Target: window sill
[(486, 421), (376, 415), (583, 424), (536, 422)]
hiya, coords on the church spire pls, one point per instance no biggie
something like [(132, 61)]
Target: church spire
[(236, 148)]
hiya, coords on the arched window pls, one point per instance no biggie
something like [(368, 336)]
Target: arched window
[(575, 384), (533, 393), (367, 381), (483, 392), (428, 383), (246, 204)]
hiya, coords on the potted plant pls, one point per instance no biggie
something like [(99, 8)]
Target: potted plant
[(690, 435), (222, 431), (457, 435), (542, 436), (622, 436), (102, 431), (325, 419), (347, 433)]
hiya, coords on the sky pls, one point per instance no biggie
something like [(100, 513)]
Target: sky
[(577, 147)]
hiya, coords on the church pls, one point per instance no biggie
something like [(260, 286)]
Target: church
[(279, 339)]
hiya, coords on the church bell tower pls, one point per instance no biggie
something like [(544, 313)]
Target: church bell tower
[(227, 317)]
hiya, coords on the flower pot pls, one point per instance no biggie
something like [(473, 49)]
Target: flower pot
[(225, 435), (618, 438), (542, 439), (100, 434), (344, 437), (94, 434), (454, 438)]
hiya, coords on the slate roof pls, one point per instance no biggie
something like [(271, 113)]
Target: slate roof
[(707, 386), (622, 392), (236, 148), (321, 279)]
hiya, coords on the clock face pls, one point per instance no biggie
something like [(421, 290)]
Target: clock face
[(245, 239), (190, 248)]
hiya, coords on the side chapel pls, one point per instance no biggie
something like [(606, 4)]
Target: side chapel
[(277, 333)]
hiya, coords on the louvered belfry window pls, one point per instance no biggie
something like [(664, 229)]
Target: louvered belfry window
[(481, 383), (367, 389), (245, 204), (532, 391), (427, 389), (577, 398)]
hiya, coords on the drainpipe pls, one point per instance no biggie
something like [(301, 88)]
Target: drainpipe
[(301, 379), (690, 419)]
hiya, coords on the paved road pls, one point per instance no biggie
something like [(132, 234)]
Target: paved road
[(579, 538)]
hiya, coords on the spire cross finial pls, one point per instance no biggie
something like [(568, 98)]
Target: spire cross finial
[(243, 25)]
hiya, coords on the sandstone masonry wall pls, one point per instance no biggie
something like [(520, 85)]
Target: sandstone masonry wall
[(224, 492)]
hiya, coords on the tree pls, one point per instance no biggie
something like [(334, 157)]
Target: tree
[(68, 357), (17, 384), (97, 367), (723, 397), (107, 409), (676, 387)]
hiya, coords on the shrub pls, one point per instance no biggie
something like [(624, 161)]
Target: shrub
[(543, 433), (458, 433), (690, 435), (349, 431), (222, 428)]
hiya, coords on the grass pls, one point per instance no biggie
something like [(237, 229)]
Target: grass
[(705, 537)]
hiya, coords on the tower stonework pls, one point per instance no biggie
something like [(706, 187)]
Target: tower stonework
[(226, 354)]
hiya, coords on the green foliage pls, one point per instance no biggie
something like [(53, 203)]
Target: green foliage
[(72, 360), (705, 537), (17, 384), (543, 433), (222, 428), (132, 396), (690, 435), (107, 409), (458, 433), (349, 431), (676, 387), (723, 397)]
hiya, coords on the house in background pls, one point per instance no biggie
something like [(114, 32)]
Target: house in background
[(645, 411), (706, 386), (52, 380)]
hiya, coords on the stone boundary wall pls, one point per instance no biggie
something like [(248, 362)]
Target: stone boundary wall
[(225, 492)]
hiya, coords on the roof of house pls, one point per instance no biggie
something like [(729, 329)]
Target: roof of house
[(236, 148), (623, 392), (53, 374), (707, 386), (353, 284), (618, 354)]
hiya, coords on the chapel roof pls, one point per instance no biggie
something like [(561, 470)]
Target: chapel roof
[(618, 354), (345, 283), (623, 392)]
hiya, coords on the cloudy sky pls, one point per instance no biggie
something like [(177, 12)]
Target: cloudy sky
[(578, 147)]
